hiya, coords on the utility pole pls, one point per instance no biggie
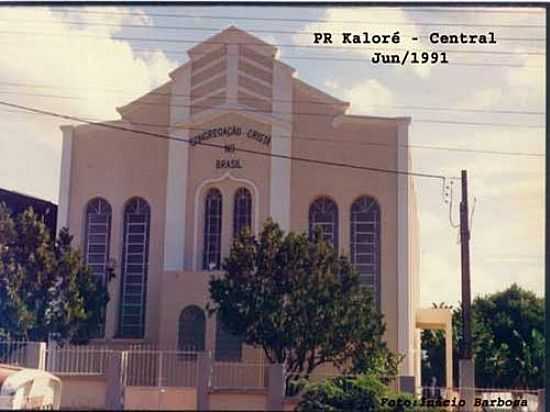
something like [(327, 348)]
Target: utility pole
[(466, 363), (465, 258)]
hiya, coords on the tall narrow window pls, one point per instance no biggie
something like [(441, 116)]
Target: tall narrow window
[(323, 213), (212, 230), (228, 346), (242, 211), (192, 329), (98, 236), (365, 241), (97, 241), (137, 219)]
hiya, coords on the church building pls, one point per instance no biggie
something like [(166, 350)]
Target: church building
[(165, 210)]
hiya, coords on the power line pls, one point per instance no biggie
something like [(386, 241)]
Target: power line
[(498, 65), (277, 45), (215, 29), (187, 95), (340, 141), (450, 8), (311, 114), (359, 60), (269, 112), (481, 151), (405, 107), (302, 20), (457, 9), (213, 145)]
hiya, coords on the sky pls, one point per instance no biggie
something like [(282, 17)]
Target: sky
[(86, 61)]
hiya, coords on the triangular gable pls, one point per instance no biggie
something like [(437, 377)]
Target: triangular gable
[(232, 35)]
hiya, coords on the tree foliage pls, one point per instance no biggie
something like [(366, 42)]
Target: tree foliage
[(508, 341), (359, 393), (363, 393), (46, 290), (302, 303)]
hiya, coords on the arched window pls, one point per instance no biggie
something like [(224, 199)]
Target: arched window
[(192, 329), (228, 346), (98, 236), (242, 211), (212, 230), (135, 252), (323, 213), (97, 242), (365, 241)]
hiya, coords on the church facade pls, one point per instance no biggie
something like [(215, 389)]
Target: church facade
[(165, 211)]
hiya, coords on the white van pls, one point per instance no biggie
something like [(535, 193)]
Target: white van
[(22, 388)]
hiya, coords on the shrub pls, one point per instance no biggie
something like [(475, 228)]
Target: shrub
[(361, 393), (343, 394)]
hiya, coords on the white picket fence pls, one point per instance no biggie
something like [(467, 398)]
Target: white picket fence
[(141, 365), (236, 375)]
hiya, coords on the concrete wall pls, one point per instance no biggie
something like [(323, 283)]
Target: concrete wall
[(152, 398), (146, 398), (238, 400), (117, 166), (344, 186), (83, 392)]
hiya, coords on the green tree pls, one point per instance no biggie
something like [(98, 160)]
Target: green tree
[(46, 290), (302, 304), (508, 340)]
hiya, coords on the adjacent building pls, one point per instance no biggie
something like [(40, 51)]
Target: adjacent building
[(18, 202)]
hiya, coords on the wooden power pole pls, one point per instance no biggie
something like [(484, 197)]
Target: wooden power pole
[(465, 258), (466, 363)]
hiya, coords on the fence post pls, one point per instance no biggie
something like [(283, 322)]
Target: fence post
[(466, 381), (42, 355), (275, 387), (123, 377), (35, 355), (159, 377), (51, 361), (114, 381), (541, 401), (203, 379)]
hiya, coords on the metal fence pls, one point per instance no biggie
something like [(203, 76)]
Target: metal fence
[(235, 375), (13, 352), (161, 368), (22, 353), (77, 360)]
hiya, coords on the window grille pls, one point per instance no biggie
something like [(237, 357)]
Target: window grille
[(242, 211), (134, 268), (323, 213), (365, 241), (212, 230), (97, 242)]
